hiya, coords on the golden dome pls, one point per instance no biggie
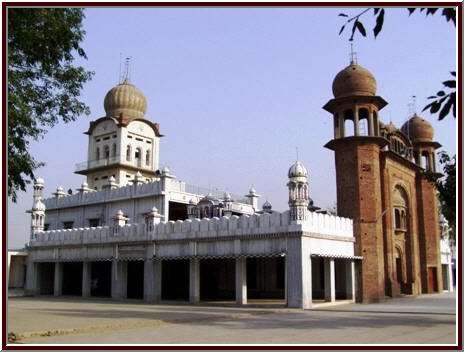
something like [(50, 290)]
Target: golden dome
[(127, 99), (418, 129), (354, 80)]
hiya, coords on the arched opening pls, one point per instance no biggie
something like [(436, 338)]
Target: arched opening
[(364, 122), (138, 157), (425, 160), (147, 158), (128, 153), (348, 118), (97, 154)]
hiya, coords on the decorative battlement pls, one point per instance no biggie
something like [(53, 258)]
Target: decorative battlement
[(257, 224), (108, 195)]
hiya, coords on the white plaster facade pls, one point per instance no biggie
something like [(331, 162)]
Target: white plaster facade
[(141, 213)]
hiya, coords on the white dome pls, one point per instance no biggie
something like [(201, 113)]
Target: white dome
[(227, 197), (252, 191), (38, 206), (39, 181), (85, 185), (59, 189), (297, 170)]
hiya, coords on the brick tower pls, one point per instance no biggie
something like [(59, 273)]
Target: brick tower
[(357, 162)]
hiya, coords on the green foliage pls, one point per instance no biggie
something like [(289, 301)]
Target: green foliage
[(43, 84), (446, 187), (441, 97), (448, 100)]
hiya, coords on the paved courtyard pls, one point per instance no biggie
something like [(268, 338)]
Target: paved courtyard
[(429, 319)]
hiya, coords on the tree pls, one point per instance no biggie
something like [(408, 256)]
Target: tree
[(446, 188), (43, 84), (448, 100)]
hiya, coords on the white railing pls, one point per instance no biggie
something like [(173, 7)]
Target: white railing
[(93, 164), (196, 228)]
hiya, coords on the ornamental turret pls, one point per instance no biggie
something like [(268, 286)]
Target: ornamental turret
[(298, 195), (38, 208)]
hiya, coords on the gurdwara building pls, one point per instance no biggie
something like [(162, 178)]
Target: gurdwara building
[(133, 231)]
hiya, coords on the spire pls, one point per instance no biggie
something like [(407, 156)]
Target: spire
[(125, 76), (353, 55)]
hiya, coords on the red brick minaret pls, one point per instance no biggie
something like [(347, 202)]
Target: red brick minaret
[(357, 165)]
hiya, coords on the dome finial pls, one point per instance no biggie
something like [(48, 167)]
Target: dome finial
[(124, 77), (353, 55)]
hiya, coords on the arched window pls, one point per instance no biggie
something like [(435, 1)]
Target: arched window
[(138, 157), (400, 206), (397, 219), (128, 153), (106, 153), (147, 158), (114, 150)]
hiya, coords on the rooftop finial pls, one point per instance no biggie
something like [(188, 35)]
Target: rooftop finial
[(297, 158), (353, 55), (127, 70), (414, 104)]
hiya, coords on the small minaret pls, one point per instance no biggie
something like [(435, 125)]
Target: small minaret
[(253, 198), (227, 204), (119, 220), (153, 218), (298, 197), (38, 208)]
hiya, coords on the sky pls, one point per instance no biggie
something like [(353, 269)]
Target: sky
[(237, 90)]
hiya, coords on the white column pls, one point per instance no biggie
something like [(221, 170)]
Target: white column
[(32, 280), (329, 279), (157, 280), (349, 280), (86, 277), (148, 280), (240, 281), (58, 282), (118, 279), (299, 287), (194, 281), (449, 272)]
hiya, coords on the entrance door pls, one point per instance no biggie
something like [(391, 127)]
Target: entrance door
[(432, 279)]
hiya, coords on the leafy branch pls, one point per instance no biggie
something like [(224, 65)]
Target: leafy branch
[(441, 97), (448, 100)]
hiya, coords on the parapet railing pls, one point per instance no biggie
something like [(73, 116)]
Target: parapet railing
[(196, 228), (116, 159)]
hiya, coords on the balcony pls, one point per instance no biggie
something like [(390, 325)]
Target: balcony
[(113, 160)]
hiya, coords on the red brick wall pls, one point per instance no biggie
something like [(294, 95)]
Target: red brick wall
[(429, 233), (359, 198)]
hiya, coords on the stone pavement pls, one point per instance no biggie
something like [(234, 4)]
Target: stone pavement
[(429, 319)]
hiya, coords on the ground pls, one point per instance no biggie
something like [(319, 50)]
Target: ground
[(428, 319)]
